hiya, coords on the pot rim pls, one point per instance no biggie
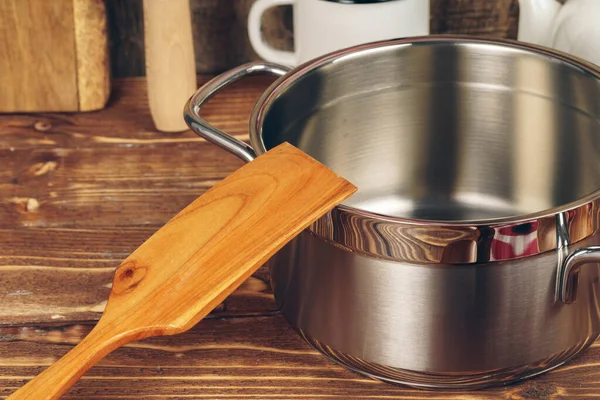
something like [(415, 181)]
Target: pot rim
[(589, 202)]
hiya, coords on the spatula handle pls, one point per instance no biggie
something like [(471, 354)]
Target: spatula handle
[(56, 380)]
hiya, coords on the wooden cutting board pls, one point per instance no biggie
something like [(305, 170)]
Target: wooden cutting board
[(53, 55)]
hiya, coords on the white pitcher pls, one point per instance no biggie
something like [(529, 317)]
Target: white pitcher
[(322, 26), (573, 28)]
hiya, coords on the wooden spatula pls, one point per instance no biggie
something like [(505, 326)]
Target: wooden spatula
[(200, 256)]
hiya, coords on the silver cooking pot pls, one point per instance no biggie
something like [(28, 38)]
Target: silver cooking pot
[(467, 256)]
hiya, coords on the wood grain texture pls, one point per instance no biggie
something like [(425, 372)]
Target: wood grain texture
[(246, 358), (54, 55), (37, 62), (200, 256), (91, 48), (57, 259), (79, 169)]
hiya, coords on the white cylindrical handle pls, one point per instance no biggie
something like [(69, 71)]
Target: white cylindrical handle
[(265, 51), (170, 63)]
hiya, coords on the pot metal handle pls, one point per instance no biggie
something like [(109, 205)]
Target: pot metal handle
[(569, 273), (200, 126)]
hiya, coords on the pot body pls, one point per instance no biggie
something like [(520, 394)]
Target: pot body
[(467, 256), (438, 325)]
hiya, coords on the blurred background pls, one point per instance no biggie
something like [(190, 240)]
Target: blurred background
[(60, 56), (221, 39)]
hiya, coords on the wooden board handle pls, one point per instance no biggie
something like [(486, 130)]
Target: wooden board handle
[(200, 256)]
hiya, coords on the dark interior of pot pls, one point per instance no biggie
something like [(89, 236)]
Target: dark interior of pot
[(448, 131)]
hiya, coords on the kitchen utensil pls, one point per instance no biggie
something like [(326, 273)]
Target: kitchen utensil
[(170, 63), (54, 55), (572, 28), (321, 26), (469, 256), (200, 256)]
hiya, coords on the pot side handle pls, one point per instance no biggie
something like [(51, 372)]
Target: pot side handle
[(201, 127), (569, 273)]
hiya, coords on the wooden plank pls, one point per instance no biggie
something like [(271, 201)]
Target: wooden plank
[(90, 187), (53, 275), (60, 167), (245, 358), (37, 66), (201, 256), (79, 192), (126, 122)]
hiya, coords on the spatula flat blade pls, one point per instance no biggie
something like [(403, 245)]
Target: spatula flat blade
[(200, 256)]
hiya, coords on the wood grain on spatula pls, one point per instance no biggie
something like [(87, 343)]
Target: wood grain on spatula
[(200, 256)]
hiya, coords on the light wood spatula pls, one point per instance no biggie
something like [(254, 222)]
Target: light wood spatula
[(200, 256)]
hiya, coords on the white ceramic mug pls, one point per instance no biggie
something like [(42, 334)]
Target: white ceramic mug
[(322, 26)]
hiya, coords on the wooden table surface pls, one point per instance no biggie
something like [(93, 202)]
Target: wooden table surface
[(79, 192)]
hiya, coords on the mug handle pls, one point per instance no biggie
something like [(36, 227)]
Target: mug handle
[(265, 51), (191, 112)]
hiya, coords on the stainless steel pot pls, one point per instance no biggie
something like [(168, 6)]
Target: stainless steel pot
[(468, 256)]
